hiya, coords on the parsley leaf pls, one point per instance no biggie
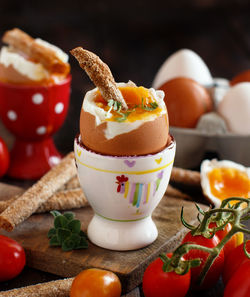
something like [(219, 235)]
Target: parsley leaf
[(67, 232)]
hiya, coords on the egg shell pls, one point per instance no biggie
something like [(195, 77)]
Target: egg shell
[(235, 108), (149, 138), (186, 101), (184, 63), (241, 77)]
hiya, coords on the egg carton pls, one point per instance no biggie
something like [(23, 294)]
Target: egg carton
[(192, 145), (211, 133)]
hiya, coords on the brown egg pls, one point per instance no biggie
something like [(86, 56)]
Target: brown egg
[(186, 101), (144, 132), (241, 77)]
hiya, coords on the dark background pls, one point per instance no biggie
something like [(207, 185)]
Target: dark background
[(134, 38)]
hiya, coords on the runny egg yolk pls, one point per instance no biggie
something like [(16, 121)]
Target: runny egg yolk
[(229, 182), (136, 98)]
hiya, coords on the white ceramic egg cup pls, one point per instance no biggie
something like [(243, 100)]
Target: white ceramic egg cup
[(123, 192)]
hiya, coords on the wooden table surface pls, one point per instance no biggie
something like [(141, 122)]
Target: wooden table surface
[(133, 39)]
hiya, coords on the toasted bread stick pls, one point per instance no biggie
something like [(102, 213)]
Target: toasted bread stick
[(185, 176), (58, 288), (72, 184), (38, 194), (37, 52), (100, 74), (62, 200)]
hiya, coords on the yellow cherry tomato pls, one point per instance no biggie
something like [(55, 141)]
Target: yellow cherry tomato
[(96, 282)]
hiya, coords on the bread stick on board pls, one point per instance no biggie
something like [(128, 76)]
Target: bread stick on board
[(39, 193), (58, 288), (37, 52), (62, 200), (185, 176), (100, 74)]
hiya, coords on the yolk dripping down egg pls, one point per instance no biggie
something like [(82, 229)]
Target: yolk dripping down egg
[(142, 129), (224, 179)]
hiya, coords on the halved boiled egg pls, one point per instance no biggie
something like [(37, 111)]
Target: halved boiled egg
[(224, 179)]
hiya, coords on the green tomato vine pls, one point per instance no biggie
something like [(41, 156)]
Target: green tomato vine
[(234, 214)]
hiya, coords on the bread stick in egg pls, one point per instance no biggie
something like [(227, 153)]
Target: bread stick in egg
[(100, 75)]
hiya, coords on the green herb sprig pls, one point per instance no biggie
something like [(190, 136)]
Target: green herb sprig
[(116, 106), (67, 232), (153, 105)]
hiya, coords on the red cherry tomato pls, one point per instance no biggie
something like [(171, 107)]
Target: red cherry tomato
[(96, 282), (233, 260), (215, 270), (12, 258), (4, 158), (158, 283), (232, 243), (239, 284)]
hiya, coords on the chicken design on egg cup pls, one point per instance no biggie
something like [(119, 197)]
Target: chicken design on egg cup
[(33, 114), (123, 192)]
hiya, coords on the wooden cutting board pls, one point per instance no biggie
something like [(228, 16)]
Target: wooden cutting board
[(129, 266)]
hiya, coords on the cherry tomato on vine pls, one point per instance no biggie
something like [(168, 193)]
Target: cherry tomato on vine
[(12, 258), (239, 284), (215, 270), (233, 261), (96, 282), (232, 243), (4, 158), (158, 283)]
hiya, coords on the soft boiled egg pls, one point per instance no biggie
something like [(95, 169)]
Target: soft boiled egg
[(184, 63), (224, 179), (140, 130), (235, 108)]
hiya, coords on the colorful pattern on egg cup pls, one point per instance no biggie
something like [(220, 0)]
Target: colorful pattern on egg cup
[(137, 192)]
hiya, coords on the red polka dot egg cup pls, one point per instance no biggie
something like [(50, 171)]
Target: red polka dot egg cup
[(33, 114)]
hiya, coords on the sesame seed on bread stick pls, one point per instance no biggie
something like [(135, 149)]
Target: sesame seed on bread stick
[(21, 41), (35, 196), (100, 74)]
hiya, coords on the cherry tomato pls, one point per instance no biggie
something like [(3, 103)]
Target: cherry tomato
[(96, 282), (158, 283), (233, 260), (4, 158), (12, 258), (239, 284), (215, 270), (232, 243)]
